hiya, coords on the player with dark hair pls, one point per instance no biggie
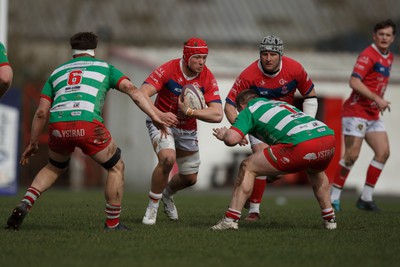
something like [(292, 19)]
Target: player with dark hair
[(297, 142), (360, 115), (181, 144), (72, 100), (6, 72), (273, 76)]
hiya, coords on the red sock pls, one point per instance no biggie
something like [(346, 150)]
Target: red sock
[(112, 212), (30, 197), (233, 214), (373, 173), (258, 190), (341, 175)]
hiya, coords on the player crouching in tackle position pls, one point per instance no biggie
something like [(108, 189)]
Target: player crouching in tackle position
[(73, 96), (181, 144), (296, 142)]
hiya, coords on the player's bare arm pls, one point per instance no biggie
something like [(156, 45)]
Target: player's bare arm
[(168, 117), (357, 85), (230, 112), (212, 114), (145, 104), (38, 123), (228, 136)]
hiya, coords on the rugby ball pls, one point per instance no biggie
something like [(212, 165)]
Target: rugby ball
[(192, 96)]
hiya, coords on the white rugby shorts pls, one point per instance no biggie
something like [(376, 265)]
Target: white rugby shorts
[(177, 138), (359, 127)]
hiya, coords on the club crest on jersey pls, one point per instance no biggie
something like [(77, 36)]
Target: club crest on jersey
[(282, 81)]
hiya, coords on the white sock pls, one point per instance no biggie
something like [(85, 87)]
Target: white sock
[(335, 193), (254, 208), (367, 193), (154, 199)]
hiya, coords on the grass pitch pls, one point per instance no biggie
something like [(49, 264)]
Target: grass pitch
[(66, 229)]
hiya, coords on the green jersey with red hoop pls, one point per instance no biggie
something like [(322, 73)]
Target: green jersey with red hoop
[(276, 122), (77, 89), (3, 55)]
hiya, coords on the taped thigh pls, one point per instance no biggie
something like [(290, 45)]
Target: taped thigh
[(189, 164), (159, 143)]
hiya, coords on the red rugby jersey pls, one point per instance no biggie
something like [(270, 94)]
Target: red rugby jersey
[(169, 79), (373, 68), (280, 86)]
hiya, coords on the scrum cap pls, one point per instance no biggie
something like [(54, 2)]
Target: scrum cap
[(272, 43), (194, 46)]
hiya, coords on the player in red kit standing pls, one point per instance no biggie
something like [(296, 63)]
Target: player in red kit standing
[(360, 115), (275, 77), (181, 144)]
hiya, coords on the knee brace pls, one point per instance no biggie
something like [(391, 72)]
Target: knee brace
[(189, 164), (59, 165), (113, 160)]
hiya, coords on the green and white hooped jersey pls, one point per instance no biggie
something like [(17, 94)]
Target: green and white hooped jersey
[(3, 55), (78, 89), (276, 122)]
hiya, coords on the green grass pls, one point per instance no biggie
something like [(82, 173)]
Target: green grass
[(65, 229)]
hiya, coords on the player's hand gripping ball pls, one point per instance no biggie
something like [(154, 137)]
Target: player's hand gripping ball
[(192, 98)]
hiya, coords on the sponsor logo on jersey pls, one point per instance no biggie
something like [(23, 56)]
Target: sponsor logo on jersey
[(71, 89), (285, 160), (359, 66), (363, 59), (326, 153), (59, 106), (73, 133), (76, 113), (310, 156), (153, 78), (160, 72), (56, 133)]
